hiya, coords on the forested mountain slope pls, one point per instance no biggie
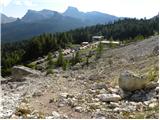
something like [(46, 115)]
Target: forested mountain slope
[(46, 21)]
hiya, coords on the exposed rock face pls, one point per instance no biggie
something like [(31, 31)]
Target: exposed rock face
[(18, 72), (128, 81)]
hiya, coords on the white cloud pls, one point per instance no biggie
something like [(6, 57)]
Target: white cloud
[(18, 2), (27, 3), (4, 2)]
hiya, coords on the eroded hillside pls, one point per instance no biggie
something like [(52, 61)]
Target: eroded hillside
[(90, 91)]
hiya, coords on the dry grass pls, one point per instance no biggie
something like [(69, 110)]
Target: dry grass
[(153, 74)]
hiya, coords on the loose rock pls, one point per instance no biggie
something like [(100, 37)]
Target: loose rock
[(55, 115), (109, 97), (78, 109), (153, 105), (100, 86)]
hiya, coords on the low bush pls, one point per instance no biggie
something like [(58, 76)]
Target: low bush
[(153, 74), (31, 65)]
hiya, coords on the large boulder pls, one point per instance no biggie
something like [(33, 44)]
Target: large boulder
[(19, 72), (129, 81)]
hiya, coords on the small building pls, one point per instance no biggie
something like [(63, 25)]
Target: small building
[(108, 42), (97, 38)]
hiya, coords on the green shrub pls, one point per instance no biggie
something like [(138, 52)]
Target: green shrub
[(49, 71), (6, 72), (139, 37), (31, 65), (65, 64), (153, 74)]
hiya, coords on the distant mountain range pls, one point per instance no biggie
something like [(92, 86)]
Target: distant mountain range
[(6, 19), (37, 22)]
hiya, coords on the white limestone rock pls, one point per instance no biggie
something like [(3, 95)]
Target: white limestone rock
[(109, 97)]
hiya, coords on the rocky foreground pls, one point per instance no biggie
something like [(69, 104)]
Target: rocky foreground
[(127, 88)]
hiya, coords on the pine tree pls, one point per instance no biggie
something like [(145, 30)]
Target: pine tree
[(77, 57), (65, 64), (99, 50), (50, 62), (60, 59)]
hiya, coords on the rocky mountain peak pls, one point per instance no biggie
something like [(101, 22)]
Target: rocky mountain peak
[(72, 9), (74, 12), (33, 16)]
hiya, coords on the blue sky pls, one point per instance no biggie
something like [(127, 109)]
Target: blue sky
[(121, 8)]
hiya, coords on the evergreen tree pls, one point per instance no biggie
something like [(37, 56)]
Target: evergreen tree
[(77, 57), (65, 64), (99, 50), (60, 59), (50, 62)]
